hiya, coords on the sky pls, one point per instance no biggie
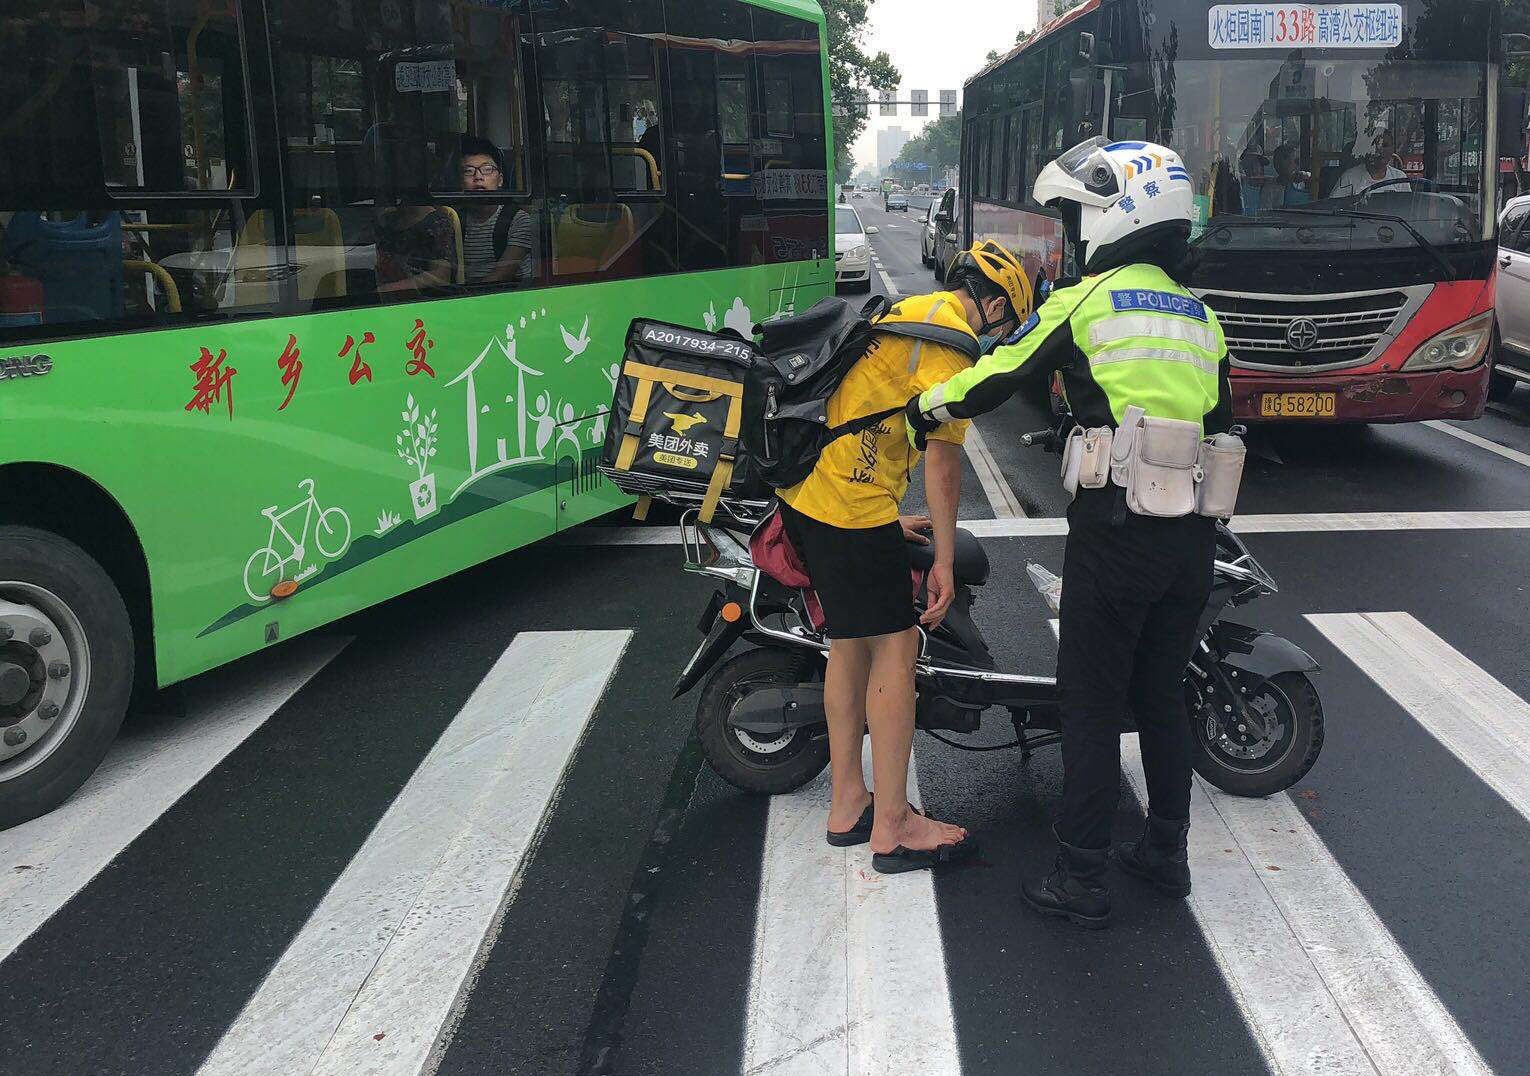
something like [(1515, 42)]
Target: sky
[(936, 45)]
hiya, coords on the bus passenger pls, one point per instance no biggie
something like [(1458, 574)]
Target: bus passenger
[(496, 237), (416, 250), (843, 521), (1289, 187)]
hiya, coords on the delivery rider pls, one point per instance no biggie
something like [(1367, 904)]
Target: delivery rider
[(1143, 363)]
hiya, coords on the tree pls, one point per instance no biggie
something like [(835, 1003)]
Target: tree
[(852, 70), (939, 145)]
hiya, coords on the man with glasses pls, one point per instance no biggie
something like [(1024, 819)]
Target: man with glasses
[(497, 238)]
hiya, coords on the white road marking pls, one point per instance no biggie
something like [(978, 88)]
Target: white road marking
[(1481, 442), (1001, 498), (837, 986), (1049, 526), (45, 862), (892, 289), (1323, 985), (372, 980), (1478, 719)]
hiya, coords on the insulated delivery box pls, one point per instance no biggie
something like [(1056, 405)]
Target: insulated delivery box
[(676, 415)]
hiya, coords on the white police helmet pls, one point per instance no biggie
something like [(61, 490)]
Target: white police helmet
[(1110, 192)]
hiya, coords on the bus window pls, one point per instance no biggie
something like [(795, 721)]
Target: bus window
[(713, 162), (1015, 190), (791, 181), (128, 166), (405, 153), (600, 70)]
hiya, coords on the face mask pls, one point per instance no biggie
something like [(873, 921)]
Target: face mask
[(987, 343)]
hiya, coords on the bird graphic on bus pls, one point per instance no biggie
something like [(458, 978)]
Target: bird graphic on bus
[(576, 344), (683, 423)]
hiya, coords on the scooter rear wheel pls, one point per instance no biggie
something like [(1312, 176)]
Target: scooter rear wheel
[(1246, 765), (745, 762)]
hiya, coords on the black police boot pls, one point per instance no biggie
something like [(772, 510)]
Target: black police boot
[(1160, 856), (1074, 889)]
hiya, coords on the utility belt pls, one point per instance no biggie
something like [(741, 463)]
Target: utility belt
[(1165, 466)]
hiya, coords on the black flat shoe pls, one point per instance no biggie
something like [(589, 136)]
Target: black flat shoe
[(901, 860), (859, 833)]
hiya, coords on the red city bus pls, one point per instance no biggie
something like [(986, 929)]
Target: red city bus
[(1343, 157)]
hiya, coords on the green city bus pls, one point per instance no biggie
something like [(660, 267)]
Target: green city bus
[(306, 305)]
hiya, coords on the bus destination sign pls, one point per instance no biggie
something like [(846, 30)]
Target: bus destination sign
[(1319, 26)]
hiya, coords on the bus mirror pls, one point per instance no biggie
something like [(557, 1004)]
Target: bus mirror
[(1511, 121), (1087, 98), (1086, 49)]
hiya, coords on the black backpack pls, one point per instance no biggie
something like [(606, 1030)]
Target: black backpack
[(799, 363)]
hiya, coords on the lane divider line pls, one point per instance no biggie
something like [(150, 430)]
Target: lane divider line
[(848, 975), (1001, 498), (1322, 984), (892, 289), (1481, 442), (45, 862), (1475, 717), (1052, 526), (373, 979)]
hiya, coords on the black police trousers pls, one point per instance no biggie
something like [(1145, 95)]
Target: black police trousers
[(1134, 588)]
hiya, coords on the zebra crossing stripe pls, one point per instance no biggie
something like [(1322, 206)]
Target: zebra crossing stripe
[(835, 986), (1322, 984), (1475, 717), (45, 862), (373, 979)]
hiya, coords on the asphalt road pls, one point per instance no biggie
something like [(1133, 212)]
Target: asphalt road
[(469, 831)]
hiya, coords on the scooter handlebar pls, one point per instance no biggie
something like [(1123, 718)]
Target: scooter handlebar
[(1040, 439)]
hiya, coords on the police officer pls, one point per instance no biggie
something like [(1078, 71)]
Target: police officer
[(1128, 333)]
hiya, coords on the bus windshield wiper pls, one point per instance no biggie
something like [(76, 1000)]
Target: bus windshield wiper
[(1391, 218)]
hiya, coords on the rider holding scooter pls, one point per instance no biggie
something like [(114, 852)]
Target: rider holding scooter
[(1144, 364)]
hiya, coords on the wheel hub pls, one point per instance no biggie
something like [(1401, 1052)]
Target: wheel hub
[(763, 747), (15, 683), (42, 656)]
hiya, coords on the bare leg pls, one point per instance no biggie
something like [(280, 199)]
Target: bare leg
[(890, 717), (844, 702)]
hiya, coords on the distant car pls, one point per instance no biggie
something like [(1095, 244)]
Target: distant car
[(937, 243), (852, 250), (896, 200)]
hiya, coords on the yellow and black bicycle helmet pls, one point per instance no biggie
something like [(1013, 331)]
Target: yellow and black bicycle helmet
[(991, 262)]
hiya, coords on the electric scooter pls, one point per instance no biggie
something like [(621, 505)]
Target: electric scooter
[(1257, 718)]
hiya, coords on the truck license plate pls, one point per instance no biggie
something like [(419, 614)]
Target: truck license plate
[(1297, 405)]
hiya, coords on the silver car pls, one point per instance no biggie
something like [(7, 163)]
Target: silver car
[(938, 243), (896, 200), (1512, 363), (852, 249)]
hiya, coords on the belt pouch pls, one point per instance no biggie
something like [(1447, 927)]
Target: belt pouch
[(1221, 473), (1162, 467)]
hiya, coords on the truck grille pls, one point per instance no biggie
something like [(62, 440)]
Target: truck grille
[(1349, 327)]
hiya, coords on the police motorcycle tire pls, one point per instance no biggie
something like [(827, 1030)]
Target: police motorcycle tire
[(763, 767), (66, 670), (1245, 764)]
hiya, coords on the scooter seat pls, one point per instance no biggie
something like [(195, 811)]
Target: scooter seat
[(971, 563)]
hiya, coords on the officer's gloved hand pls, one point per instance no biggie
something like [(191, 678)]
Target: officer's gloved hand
[(920, 426)]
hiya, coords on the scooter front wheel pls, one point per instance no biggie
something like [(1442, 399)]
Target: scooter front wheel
[(768, 767), (1245, 763)]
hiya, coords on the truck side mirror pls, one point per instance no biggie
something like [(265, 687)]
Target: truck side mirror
[(1512, 104)]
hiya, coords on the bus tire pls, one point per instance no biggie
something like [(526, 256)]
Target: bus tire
[(63, 612)]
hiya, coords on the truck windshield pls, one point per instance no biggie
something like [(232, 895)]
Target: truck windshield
[(1366, 135)]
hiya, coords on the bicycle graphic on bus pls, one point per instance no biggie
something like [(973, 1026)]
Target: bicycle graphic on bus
[(268, 566)]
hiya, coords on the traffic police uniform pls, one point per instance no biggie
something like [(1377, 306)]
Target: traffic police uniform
[(1134, 586)]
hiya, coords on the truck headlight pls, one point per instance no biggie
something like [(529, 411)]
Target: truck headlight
[(1457, 348)]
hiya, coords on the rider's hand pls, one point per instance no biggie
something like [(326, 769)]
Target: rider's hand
[(941, 584), (915, 528)]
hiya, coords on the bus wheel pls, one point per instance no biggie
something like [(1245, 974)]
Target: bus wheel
[(66, 670)]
